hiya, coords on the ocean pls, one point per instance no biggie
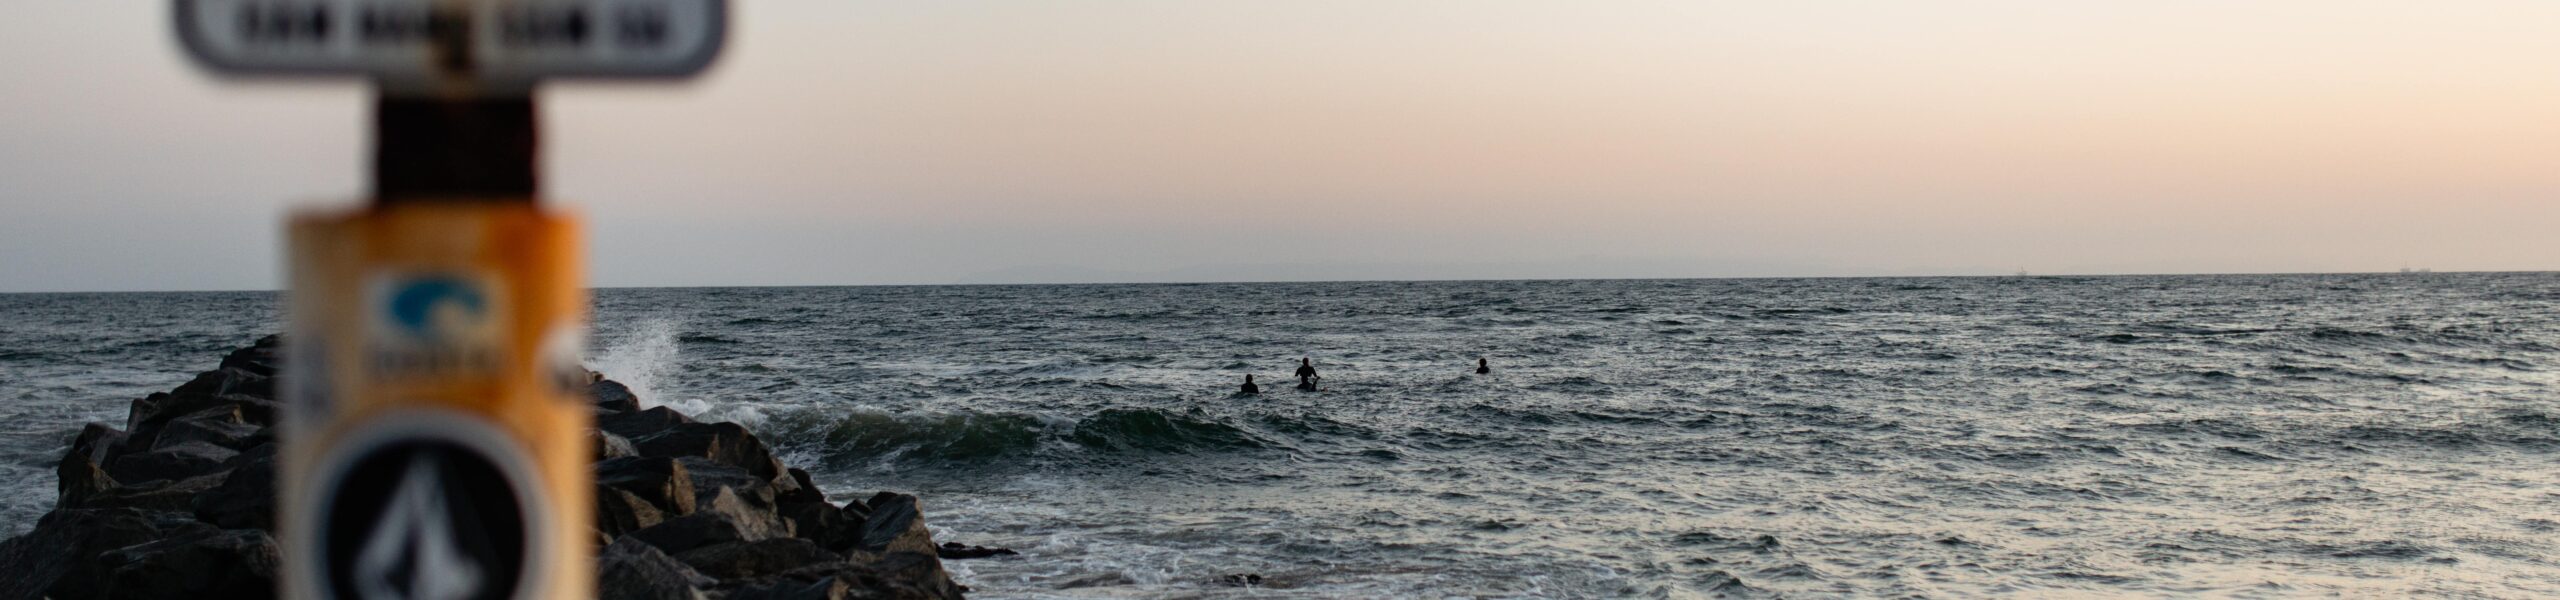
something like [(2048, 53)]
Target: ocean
[(2256, 436)]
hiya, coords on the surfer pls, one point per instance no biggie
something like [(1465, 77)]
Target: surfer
[(1249, 387), (1307, 374), (1482, 368)]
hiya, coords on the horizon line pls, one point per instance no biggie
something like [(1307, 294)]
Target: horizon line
[(2028, 275)]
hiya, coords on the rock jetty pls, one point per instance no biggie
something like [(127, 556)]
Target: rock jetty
[(179, 502)]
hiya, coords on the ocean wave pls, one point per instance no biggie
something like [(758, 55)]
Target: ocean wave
[(924, 438)]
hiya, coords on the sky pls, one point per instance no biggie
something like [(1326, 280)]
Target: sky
[(979, 141)]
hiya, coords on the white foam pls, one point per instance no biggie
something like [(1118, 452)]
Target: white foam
[(641, 358)]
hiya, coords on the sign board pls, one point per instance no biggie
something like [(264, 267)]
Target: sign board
[(454, 42)]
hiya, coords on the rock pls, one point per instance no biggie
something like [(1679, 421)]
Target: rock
[(179, 461), (857, 511), (723, 519), (631, 569), (612, 395), (239, 563), (97, 442), (159, 495), (709, 476), (144, 407), (916, 575), (234, 408), (619, 512), (802, 490), (824, 524), (663, 482), (59, 558), (896, 525), (759, 558), (258, 358), (227, 381), (610, 446), (245, 500), (80, 474), (218, 425), (958, 551), (638, 424), (76, 479), (724, 443)]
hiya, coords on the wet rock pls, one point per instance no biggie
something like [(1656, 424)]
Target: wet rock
[(619, 512), (756, 559), (609, 446), (664, 482), (638, 424), (724, 443), (257, 359), (237, 563), (218, 425), (917, 574), (227, 380), (245, 500), (96, 442), (59, 558), (80, 474), (824, 524), (801, 490), (221, 410), (179, 461), (857, 511), (896, 525), (163, 495), (709, 476), (76, 480), (959, 551), (144, 407), (631, 569), (613, 396), (723, 519)]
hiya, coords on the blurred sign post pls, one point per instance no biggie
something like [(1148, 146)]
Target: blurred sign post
[(435, 423)]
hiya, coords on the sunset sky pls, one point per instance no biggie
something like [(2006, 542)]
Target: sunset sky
[(868, 142)]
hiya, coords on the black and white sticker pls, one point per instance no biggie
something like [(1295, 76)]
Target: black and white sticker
[(425, 505)]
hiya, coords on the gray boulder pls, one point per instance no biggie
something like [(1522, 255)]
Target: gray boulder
[(237, 563), (723, 519), (629, 569), (759, 558), (724, 443), (178, 461), (641, 423)]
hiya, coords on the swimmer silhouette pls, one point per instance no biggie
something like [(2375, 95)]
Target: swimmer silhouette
[(1482, 368), (1249, 387), (1307, 373)]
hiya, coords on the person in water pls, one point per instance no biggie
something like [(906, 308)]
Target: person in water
[(1249, 387), (1307, 373), (1482, 368)]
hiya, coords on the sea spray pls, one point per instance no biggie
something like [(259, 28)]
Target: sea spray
[(646, 358)]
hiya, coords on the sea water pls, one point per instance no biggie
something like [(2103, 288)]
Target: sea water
[(2358, 435)]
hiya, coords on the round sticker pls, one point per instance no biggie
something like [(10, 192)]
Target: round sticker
[(426, 506)]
